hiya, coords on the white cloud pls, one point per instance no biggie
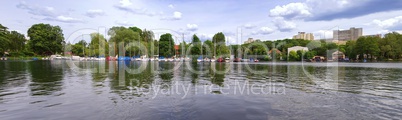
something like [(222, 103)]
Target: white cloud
[(64, 19), (323, 34), (176, 16), (249, 26), (389, 24), (35, 10), (283, 25), (291, 11), (204, 37), (94, 13), (171, 6), (124, 23), (125, 3), (263, 31), (192, 27)]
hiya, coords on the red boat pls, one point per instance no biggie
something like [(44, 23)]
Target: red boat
[(220, 60), (237, 60)]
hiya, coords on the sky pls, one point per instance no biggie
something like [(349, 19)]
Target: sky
[(237, 19)]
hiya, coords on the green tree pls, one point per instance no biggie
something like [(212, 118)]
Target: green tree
[(350, 49), (367, 46), (219, 44), (122, 35), (390, 45), (78, 48), (98, 45), (147, 36), (166, 45), (293, 56), (196, 46), (45, 39), (208, 48), (17, 41), (4, 41)]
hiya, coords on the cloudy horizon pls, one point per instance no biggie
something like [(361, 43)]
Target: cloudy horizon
[(265, 20)]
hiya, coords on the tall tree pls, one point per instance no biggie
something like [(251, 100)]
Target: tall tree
[(45, 39), (196, 48), (219, 44), (367, 46), (78, 48), (98, 45), (166, 45), (147, 36), (4, 41), (125, 36), (208, 48), (17, 41)]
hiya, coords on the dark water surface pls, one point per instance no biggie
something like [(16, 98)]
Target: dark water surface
[(168, 90)]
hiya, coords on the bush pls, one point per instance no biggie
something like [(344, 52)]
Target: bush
[(29, 53), (16, 54)]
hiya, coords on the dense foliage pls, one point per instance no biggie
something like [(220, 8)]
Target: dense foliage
[(45, 39)]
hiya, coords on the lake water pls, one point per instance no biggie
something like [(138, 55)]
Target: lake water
[(173, 90)]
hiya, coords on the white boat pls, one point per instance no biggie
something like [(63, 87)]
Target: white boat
[(199, 60), (227, 59), (144, 59), (170, 59), (212, 60), (207, 60)]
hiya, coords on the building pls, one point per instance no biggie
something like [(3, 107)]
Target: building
[(338, 55), (176, 48), (297, 48), (250, 40), (304, 36), (375, 35), (345, 35)]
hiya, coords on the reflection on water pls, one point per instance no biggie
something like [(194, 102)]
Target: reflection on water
[(173, 90)]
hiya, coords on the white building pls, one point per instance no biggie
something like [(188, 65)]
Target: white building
[(297, 48), (304, 36)]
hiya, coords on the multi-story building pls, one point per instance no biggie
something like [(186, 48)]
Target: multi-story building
[(345, 35), (304, 36), (250, 40), (375, 35)]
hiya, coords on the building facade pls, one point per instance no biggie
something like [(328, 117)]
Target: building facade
[(250, 40), (304, 36), (345, 35), (375, 35)]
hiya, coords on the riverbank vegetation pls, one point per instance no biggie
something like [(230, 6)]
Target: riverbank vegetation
[(45, 39)]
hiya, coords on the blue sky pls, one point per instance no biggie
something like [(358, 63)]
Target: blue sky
[(239, 20)]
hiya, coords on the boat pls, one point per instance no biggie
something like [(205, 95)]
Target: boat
[(256, 60), (199, 59), (220, 60), (207, 60), (227, 59), (237, 60), (212, 60), (170, 59)]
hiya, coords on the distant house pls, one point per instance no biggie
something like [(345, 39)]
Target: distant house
[(250, 40), (176, 48), (276, 52), (338, 55), (297, 48)]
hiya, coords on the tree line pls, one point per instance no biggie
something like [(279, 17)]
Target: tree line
[(46, 39)]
